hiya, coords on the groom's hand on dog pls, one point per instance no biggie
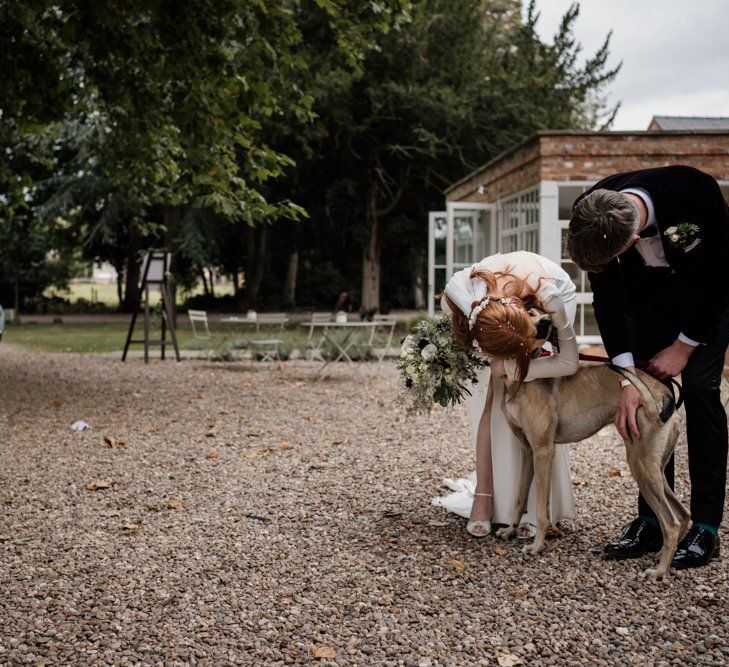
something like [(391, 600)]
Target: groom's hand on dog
[(671, 361), (625, 414)]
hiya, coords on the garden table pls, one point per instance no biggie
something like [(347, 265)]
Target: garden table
[(342, 347)]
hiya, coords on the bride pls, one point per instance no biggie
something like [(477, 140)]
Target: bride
[(489, 305)]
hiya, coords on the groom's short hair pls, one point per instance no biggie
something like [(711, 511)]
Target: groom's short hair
[(601, 227)]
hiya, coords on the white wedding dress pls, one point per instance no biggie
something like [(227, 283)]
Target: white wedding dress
[(506, 450)]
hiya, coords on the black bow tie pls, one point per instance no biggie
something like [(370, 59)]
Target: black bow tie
[(648, 232)]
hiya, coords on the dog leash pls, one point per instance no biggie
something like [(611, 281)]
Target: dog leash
[(673, 386)]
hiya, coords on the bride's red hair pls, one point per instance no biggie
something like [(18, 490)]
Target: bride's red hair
[(501, 330)]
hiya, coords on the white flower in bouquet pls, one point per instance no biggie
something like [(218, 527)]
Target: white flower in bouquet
[(674, 238), (671, 231), (429, 352)]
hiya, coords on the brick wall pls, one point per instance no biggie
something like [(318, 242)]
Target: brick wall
[(516, 170), (589, 156)]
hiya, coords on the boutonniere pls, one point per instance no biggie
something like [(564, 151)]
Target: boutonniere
[(685, 235)]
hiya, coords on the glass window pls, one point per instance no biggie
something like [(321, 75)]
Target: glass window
[(567, 196), (439, 286), (440, 231), (463, 239), (591, 328), (564, 231)]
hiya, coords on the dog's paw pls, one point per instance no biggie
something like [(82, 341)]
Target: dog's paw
[(532, 549), (506, 532), (653, 574)]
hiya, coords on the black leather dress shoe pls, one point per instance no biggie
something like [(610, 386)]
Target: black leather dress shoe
[(639, 538), (696, 549)]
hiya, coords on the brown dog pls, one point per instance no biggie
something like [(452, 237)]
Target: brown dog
[(569, 409)]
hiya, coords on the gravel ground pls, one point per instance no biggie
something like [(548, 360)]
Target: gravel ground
[(256, 517)]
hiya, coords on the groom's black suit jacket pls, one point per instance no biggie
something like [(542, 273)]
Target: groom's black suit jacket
[(696, 284)]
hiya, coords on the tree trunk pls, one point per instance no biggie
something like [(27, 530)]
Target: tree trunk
[(289, 288), (371, 258), (418, 282), (120, 285), (256, 238), (170, 216), (16, 297), (131, 274), (205, 283)]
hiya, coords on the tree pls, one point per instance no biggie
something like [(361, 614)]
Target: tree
[(181, 90), (464, 80)]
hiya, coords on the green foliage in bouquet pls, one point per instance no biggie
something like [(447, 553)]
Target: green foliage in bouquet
[(435, 367)]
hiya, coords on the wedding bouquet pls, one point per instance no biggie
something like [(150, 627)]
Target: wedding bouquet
[(435, 368)]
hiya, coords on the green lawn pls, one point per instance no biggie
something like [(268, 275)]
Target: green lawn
[(110, 337)]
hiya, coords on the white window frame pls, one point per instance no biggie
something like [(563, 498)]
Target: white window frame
[(522, 226)]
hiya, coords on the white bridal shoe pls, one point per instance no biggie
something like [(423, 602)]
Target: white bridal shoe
[(483, 526)]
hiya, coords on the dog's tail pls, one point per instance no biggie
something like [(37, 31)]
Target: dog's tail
[(658, 398)]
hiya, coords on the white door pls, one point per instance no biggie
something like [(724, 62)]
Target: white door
[(458, 237)]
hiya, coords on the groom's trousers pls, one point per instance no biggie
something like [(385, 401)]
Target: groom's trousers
[(654, 329)]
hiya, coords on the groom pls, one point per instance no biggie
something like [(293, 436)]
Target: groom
[(655, 244)]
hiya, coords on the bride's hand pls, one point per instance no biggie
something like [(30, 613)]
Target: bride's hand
[(497, 367)]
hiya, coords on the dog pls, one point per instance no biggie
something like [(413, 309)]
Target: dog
[(569, 409)]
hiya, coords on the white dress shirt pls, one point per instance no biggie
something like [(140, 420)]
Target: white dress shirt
[(651, 250)]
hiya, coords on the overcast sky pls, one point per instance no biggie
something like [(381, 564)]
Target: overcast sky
[(675, 53)]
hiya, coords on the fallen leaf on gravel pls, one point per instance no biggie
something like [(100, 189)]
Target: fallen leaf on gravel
[(437, 524), (55, 402), (45, 559), (210, 434), (676, 646), (618, 473), (153, 429), (258, 453), (391, 513), (508, 660), (287, 445), (339, 442), (323, 652), (212, 454), (114, 443), (460, 567), (389, 538), (386, 599), (501, 551), (579, 482), (174, 504), (8, 501), (103, 484), (130, 526)]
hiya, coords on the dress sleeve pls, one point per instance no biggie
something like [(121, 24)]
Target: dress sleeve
[(557, 365)]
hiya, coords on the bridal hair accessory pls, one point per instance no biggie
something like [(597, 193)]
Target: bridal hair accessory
[(503, 300), (474, 313)]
